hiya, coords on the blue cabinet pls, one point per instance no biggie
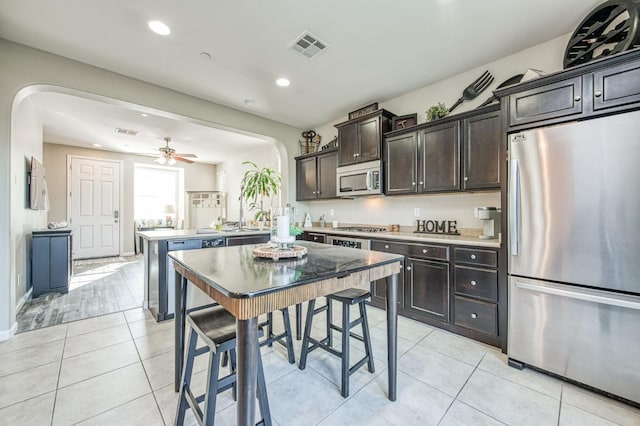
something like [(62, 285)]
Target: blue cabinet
[(51, 265)]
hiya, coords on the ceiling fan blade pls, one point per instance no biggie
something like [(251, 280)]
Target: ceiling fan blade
[(187, 155), (184, 160)]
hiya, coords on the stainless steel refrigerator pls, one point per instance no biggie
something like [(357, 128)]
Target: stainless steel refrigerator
[(574, 252)]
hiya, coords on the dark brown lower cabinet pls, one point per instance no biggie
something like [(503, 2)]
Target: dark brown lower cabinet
[(249, 239), (458, 293), (427, 288)]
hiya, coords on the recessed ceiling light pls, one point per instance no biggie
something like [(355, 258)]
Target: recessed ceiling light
[(249, 102), (204, 55), (97, 145), (283, 82), (159, 27), (144, 115)]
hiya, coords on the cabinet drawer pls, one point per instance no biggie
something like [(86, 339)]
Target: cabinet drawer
[(476, 315), (560, 99), (476, 257), (315, 237), (481, 283), (429, 251), (426, 251)]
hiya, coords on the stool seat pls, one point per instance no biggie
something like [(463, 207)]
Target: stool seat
[(215, 325), (351, 296)]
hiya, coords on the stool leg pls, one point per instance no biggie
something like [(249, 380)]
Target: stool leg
[(185, 383), (298, 321), (269, 333), (345, 350), (329, 322), (212, 388), (289, 339), (307, 332), (367, 337), (232, 367), (263, 400)]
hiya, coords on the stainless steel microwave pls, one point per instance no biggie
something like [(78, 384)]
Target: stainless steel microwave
[(359, 179)]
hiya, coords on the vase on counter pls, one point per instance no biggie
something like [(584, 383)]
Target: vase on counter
[(282, 233)]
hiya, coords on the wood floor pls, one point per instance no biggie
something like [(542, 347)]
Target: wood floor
[(98, 287)]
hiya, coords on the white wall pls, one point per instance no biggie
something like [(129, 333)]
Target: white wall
[(24, 70), (546, 57), (27, 130), (233, 170)]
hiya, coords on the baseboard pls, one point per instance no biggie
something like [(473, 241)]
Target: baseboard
[(8, 334), (129, 253), (24, 299)]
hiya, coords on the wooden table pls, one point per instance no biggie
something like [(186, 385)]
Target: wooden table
[(248, 287)]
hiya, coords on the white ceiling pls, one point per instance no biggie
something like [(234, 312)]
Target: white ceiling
[(378, 50)]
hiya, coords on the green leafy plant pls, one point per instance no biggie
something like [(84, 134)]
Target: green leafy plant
[(256, 185), (437, 111), (295, 230)]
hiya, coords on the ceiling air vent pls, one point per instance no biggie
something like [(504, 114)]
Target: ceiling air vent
[(308, 45), (127, 132)]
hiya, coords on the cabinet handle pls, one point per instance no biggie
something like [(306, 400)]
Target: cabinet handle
[(421, 182), (598, 94), (577, 98), (473, 257), (425, 251), (474, 315), (466, 178), (474, 282), (386, 246), (408, 268)]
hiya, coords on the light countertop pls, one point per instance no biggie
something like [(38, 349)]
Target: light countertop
[(467, 240), (173, 234)]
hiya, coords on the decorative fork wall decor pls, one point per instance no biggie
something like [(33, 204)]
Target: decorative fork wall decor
[(474, 89)]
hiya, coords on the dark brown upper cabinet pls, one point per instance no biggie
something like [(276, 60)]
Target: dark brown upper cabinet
[(439, 158), (429, 157), (606, 86), (481, 151), (316, 175), (360, 140)]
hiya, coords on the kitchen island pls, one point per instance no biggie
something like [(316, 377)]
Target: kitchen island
[(247, 287), (158, 274)]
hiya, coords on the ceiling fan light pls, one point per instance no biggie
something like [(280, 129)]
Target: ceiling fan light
[(161, 160), (171, 161)]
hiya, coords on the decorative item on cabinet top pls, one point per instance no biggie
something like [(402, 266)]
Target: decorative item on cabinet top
[(363, 111), (331, 144), (610, 28), (436, 111), (404, 121), (310, 143)]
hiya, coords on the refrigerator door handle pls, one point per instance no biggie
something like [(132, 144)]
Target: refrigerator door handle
[(580, 295), (514, 207)]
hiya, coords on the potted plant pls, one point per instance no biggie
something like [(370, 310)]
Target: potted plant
[(256, 185), (437, 111)]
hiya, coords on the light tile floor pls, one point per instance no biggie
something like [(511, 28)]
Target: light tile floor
[(117, 370)]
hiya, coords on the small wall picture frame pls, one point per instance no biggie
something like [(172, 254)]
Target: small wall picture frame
[(403, 121)]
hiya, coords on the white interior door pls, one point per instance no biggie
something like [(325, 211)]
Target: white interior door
[(95, 207)]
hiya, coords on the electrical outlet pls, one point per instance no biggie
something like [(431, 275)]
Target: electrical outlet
[(20, 279), (416, 212), (331, 212)]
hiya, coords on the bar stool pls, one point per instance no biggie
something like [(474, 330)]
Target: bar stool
[(286, 334), (348, 298), (217, 328)]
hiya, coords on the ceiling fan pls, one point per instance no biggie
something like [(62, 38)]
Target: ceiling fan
[(168, 155)]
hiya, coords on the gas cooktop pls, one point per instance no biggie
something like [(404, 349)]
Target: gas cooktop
[(361, 229)]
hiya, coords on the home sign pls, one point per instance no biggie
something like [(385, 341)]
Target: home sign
[(446, 227)]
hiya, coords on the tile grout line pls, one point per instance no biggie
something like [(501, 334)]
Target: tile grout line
[(55, 396), (155, 399)]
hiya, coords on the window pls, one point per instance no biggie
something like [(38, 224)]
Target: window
[(157, 189)]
